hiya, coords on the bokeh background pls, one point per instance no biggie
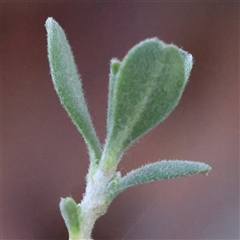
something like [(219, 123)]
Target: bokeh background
[(44, 157)]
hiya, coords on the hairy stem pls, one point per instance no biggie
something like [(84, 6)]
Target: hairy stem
[(94, 203)]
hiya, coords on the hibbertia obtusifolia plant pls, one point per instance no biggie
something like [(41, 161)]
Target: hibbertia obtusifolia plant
[(144, 87)]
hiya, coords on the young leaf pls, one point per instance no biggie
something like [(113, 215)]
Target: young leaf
[(114, 67), (148, 86), (159, 171), (67, 84), (71, 214)]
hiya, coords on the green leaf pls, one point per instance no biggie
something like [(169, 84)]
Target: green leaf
[(161, 170), (114, 67), (147, 87), (71, 214), (67, 84)]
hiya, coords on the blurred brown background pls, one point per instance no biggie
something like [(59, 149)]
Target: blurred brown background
[(44, 157)]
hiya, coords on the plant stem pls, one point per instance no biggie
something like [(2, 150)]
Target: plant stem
[(94, 203)]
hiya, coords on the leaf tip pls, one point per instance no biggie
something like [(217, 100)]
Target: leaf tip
[(206, 169), (49, 22), (115, 65)]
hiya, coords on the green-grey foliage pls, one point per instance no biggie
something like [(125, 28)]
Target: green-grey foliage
[(161, 170), (71, 215), (143, 89), (67, 83), (147, 87)]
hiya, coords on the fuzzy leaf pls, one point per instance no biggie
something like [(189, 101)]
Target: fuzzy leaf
[(67, 84), (148, 86), (71, 214), (161, 170), (114, 67)]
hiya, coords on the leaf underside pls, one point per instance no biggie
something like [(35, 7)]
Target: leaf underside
[(161, 170)]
